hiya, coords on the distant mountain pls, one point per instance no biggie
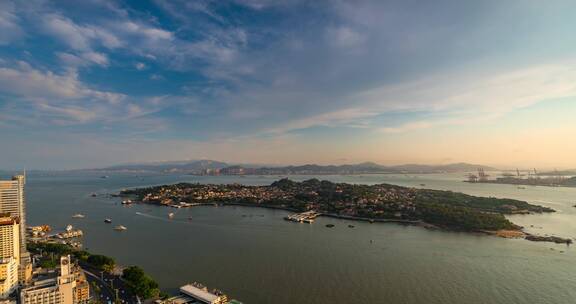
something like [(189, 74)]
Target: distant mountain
[(457, 167), (362, 168), (194, 166), (212, 167)]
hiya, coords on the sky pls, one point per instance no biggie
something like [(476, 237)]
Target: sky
[(99, 82)]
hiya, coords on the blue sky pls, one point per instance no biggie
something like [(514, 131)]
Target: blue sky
[(97, 82)]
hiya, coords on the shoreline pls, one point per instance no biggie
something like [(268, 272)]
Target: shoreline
[(508, 234)]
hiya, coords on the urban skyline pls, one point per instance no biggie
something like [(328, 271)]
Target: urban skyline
[(287, 82)]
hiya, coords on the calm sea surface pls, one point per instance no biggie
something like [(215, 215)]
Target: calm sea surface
[(255, 256)]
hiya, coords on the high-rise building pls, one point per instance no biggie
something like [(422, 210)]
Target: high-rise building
[(12, 202), (70, 287), (9, 254)]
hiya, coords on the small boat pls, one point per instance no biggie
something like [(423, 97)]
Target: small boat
[(171, 215), (126, 202), (120, 228), (78, 215), (329, 225), (93, 195), (350, 226), (107, 221), (423, 185), (104, 176), (189, 218), (69, 228)]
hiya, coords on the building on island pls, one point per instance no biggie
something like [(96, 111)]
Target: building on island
[(70, 287)]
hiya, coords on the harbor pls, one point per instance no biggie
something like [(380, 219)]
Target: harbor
[(304, 217)]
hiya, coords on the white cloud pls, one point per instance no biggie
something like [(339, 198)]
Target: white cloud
[(345, 37), (140, 66), (26, 81), (83, 59), (152, 34), (76, 36), (473, 98), (10, 30)]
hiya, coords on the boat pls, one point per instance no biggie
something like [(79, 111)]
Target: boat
[(329, 225), (69, 228), (120, 228), (104, 176), (126, 202), (107, 221), (423, 185), (93, 195), (350, 226), (170, 215), (78, 215), (189, 218)]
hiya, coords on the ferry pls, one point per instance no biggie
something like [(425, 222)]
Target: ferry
[(78, 215), (120, 228), (107, 221)]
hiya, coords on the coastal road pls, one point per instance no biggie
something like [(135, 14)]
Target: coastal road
[(108, 283)]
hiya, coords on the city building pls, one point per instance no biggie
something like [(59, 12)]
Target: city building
[(9, 254), (12, 202), (70, 287)]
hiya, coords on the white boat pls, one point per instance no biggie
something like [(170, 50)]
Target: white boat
[(170, 215), (78, 215), (108, 221), (120, 228), (69, 228)]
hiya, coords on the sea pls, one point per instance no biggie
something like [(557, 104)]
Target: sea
[(253, 255)]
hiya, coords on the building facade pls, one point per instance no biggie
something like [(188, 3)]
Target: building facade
[(9, 254), (70, 287), (12, 202)]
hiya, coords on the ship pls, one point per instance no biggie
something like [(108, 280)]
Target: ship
[(78, 215), (107, 221), (170, 215), (120, 228)]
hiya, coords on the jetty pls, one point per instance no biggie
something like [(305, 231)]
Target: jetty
[(304, 217)]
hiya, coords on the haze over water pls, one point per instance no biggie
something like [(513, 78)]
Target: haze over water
[(255, 256)]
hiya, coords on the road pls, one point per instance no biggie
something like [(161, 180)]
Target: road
[(107, 283)]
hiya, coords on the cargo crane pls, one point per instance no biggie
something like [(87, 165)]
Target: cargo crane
[(472, 178), (482, 176)]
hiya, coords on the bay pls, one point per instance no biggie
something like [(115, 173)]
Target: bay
[(255, 256)]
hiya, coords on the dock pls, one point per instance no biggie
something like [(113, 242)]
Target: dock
[(304, 217)]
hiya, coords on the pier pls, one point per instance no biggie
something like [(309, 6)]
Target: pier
[(304, 217)]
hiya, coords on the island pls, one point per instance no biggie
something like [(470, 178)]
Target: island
[(380, 202)]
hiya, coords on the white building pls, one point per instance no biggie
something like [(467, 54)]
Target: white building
[(202, 294), (9, 254), (12, 202), (67, 288)]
